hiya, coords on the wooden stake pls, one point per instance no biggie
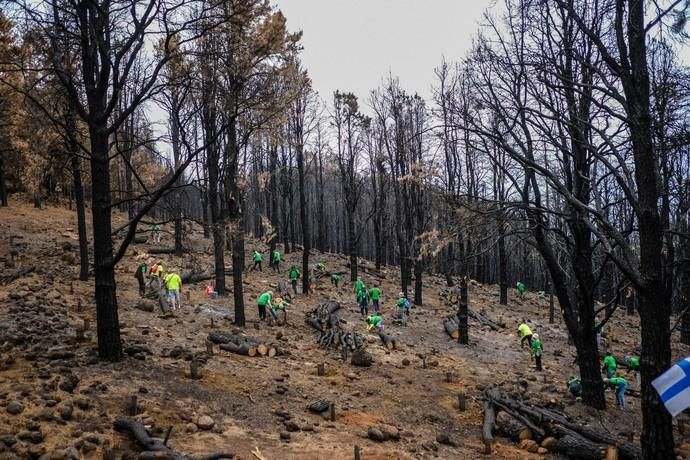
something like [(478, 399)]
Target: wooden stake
[(212, 325), (80, 334), (332, 407), (194, 369), (320, 370), (424, 363), (78, 305), (358, 453), (108, 454), (133, 406), (71, 288), (449, 377), (462, 402), (551, 309), (87, 323), (209, 348), (167, 435)]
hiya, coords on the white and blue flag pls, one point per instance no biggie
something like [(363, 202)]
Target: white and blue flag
[(673, 387)]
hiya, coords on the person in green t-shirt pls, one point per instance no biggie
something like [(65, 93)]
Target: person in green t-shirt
[(610, 365), (633, 363), (575, 387), (363, 300), (275, 261), (263, 302), (521, 288), (375, 296), (335, 279), (375, 321), (404, 306), (620, 384), (358, 286), (294, 275), (258, 258), (140, 275), (537, 350)]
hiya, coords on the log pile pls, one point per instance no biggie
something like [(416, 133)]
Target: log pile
[(520, 421), (242, 345), (331, 334), (369, 271)]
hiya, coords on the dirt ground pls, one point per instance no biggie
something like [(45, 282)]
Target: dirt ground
[(69, 400)]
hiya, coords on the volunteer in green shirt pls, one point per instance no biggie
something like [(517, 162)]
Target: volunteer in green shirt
[(258, 258), (375, 321), (335, 279), (537, 350), (620, 384), (610, 365), (294, 275), (276, 261), (575, 387), (375, 296), (521, 288), (358, 286), (263, 302), (363, 300)]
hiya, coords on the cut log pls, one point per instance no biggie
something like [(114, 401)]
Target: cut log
[(389, 341), (272, 351), (451, 328), (155, 448), (140, 239), (243, 349), (488, 427), (261, 349), (577, 447), (510, 428), (369, 271)]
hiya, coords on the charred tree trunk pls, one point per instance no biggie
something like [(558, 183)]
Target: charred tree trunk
[(81, 217), (108, 324), (463, 307), (502, 265), (3, 186), (306, 235)]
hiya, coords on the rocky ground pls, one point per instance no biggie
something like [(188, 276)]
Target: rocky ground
[(57, 401)]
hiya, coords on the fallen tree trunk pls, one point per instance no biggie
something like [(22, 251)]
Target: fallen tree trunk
[(195, 277), (155, 448), (245, 348), (484, 320), (488, 427), (161, 251), (389, 341), (23, 272), (574, 446), (451, 328), (369, 271)]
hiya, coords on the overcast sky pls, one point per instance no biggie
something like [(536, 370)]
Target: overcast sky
[(351, 45)]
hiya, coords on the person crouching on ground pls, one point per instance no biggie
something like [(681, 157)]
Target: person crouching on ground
[(375, 321)]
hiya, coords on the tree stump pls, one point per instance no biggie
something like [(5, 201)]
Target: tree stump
[(209, 348), (332, 412), (462, 402), (194, 369), (358, 453), (132, 408), (320, 370)]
